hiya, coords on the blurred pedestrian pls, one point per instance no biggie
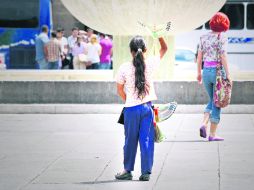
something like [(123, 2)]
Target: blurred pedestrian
[(213, 48), (106, 52), (90, 32), (71, 42), (79, 54), (93, 53), (53, 52), (40, 43), (63, 61)]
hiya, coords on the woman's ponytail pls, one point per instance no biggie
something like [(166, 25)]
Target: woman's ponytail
[(137, 46)]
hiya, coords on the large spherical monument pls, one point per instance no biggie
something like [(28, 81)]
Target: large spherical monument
[(126, 17)]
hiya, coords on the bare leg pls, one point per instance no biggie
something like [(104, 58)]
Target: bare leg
[(206, 119), (213, 136), (203, 128), (213, 129)]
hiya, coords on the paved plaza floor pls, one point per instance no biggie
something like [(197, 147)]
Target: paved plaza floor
[(85, 151)]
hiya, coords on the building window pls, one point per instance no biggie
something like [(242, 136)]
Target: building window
[(19, 14), (235, 13), (250, 16)]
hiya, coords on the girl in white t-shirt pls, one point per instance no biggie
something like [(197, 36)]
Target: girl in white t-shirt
[(135, 87), (93, 53)]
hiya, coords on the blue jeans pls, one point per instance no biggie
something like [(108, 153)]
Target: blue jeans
[(53, 65), (93, 66), (209, 80), (43, 64), (105, 65), (138, 127)]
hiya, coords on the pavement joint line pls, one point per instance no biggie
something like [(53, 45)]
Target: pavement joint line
[(166, 156), (106, 181), (43, 171), (104, 169), (48, 166), (219, 166)]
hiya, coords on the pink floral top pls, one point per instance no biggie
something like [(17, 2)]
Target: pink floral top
[(126, 76), (210, 44)]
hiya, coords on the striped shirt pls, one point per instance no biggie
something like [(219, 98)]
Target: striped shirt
[(54, 50)]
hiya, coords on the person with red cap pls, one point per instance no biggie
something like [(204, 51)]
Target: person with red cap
[(212, 48)]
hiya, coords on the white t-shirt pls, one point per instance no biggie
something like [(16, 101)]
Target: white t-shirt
[(63, 42), (93, 52), (71, 42), (126, 76)]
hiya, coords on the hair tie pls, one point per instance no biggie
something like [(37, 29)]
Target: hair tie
[(139, 51)]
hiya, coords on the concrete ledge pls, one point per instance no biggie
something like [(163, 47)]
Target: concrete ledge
[(106, 109), (104, 92)]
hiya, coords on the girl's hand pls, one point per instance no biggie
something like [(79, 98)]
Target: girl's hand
[(155, 34), (199, 78)]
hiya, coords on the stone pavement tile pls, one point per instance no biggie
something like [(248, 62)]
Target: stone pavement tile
[(56, 186), (236, 182), (11, 182), (46, 152), (185, 169), (190, 159), (72, 170), (100, 185), (195, 182), (242, 122), (236, 153)]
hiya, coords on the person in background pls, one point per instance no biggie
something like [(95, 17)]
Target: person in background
[(71, 41), (106, 52), (111, 64), (90, 32), (53, 52), (212, 48), (93, 53), (64, 48), (79, 48), (40, 43), (83, 35)]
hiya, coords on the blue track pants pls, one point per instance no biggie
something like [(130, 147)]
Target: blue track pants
[(138, 126)]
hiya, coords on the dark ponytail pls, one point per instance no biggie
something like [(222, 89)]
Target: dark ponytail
[(137, 47)]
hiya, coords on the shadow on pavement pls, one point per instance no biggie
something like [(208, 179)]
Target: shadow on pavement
[(184, 141), (104, 182)]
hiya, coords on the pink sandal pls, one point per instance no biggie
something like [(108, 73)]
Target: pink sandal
[(216, 138)]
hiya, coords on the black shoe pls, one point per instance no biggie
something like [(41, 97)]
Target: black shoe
[(124, 176), (144, 177)]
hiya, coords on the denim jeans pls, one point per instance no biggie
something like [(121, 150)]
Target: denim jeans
[(43, 64), (93, 66), (53, 65), (105, 65), (209, 80), (138, 127)]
